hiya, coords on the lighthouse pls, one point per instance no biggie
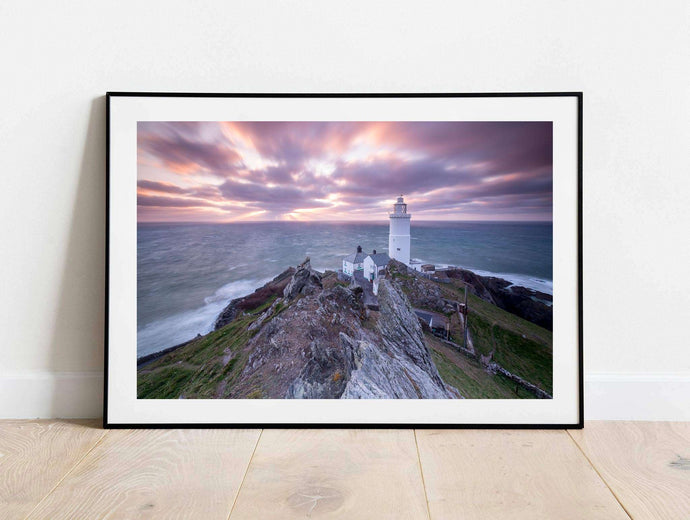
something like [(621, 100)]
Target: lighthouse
[(399, 232)]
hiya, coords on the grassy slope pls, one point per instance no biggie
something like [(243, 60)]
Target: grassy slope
[(521, 347), (208, 367), (465, 374), (518, 345), (197, 369)]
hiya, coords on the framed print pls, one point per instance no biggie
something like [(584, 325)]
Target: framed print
[(344, 260)]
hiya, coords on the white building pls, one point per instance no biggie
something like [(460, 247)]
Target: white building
[(375, 268), (354, 262), (399, 234), (375, 265)]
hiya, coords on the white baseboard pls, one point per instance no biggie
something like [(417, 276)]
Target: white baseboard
[(46, 395), (637, 397), (608, 396)]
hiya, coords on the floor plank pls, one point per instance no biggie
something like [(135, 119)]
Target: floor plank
[(155, 474), (35, 455), (333, 474), (646, 465), (488, 474)]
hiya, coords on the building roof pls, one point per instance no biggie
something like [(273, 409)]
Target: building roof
[(434, 320), (355, 258), (380, 259), (437, 322)]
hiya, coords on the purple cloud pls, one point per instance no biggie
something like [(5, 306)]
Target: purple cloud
[(337, 169)]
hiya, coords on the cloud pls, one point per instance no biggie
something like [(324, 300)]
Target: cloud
[(163, 187), (179, 147), (337, 170), (171, 202), (280, 199)]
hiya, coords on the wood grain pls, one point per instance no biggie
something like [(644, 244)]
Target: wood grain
[(480, 474), (35, 455), (333, 474), (155, 474), (646, 465)]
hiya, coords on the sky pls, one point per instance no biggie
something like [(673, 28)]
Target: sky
[(318, 171)]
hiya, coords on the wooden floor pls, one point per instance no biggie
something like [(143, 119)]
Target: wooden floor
[(610, 470)]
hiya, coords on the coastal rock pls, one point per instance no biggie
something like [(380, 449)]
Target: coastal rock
[(476, 283), (304, 281), (527, 303), (421, 292), (401, 365), (228, 314), (326, 373), (239, 305), (392, 363), (323, 346), (531, 305)]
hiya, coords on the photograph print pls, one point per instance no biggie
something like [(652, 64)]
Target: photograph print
[(302, 260)]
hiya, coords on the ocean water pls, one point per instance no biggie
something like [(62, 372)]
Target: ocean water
[(186, 273)]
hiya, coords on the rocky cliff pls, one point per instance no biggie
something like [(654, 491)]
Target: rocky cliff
[(325, 345), (304, 335)]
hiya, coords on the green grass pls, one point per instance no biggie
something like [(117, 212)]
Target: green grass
[(197, 369), (471, 380), (525, 358), (489, 312), (480, 332), (165, 383)]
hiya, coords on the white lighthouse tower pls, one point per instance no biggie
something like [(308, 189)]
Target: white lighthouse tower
[(399, 234)]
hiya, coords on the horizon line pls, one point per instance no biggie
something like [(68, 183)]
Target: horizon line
[(532, 221)]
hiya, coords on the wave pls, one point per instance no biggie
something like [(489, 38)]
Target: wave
[(178, 328), (521, 280)]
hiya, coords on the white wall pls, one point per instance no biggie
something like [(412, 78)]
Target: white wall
[(630, 58)]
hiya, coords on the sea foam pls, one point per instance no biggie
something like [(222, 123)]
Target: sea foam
[(178, 328)]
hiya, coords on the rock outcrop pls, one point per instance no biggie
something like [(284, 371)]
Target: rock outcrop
[(305, 281), (246, 303), (399, 366), (319, 343), (531, 305)]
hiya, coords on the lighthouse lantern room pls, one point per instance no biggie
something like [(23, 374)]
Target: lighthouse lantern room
[(399, 233)]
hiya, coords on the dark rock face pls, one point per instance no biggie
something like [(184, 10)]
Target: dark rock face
[(228, 314), (421, 292), (477, 285), (526, 303), (325, 374), (521, 301), (297, 352), (305, 281)]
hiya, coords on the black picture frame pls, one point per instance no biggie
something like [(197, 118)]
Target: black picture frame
[(578, 96)]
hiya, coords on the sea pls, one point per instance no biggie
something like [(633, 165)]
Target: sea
[(187, 273)]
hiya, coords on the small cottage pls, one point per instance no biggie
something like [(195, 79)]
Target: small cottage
[(374, 265), (354, 262)]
